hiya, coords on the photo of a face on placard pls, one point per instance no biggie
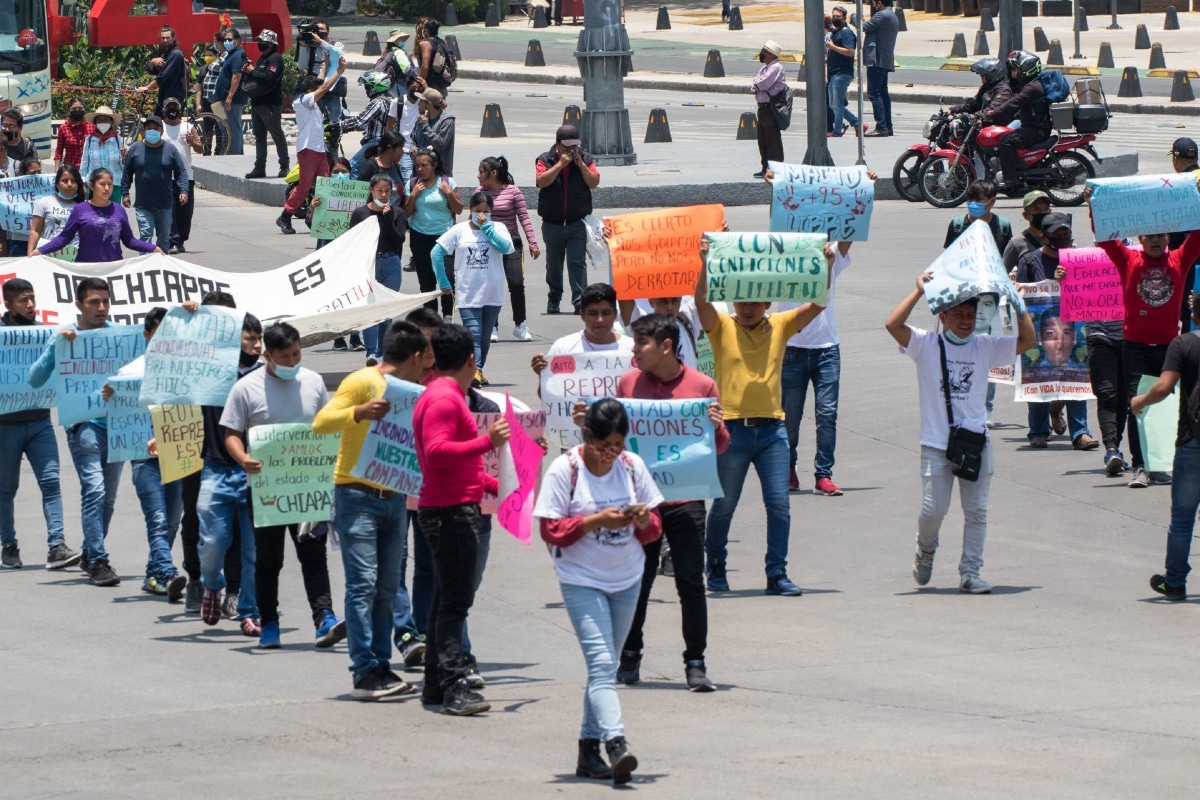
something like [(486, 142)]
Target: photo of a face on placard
[(1061, 352)]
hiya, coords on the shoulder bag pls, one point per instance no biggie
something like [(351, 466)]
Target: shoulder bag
[(965, 447)]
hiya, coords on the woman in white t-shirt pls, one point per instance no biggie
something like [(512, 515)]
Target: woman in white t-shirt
[(50, 213), (479, 247), (595, 513)]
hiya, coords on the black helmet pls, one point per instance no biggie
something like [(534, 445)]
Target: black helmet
[(1027, 64), (990, 69)]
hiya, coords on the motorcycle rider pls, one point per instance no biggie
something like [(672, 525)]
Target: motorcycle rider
[(372, 120), (994, 90), (1029, 104)]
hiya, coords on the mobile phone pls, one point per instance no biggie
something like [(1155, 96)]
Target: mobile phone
[(633, 509)]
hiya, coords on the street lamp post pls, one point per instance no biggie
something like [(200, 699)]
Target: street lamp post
[(814, 82), (1011, 35)]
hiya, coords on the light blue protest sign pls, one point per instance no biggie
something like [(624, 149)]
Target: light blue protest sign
[(84, 364), (20, 346), (129, 426), (969, 267), (1158, 426), (836, 201), (17, 196), (389, 454), (193, 358), (676, 440), (1143, 204)]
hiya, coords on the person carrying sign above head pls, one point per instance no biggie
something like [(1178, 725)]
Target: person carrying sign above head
[(393, 225), (372, 523), (310, 140), (101, 226), (952, 369), (1151, 281), (748, 351), (598, 309)]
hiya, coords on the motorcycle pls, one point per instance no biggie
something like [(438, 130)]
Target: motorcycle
[(1061, 169), (904, 174)]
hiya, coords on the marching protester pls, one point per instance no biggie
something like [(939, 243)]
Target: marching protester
[(180, 132), (100, 225), (310, 141), (1184, 158), (431, 202), (598, 311), (393, 224), (17, 242), (509, 209), (162, 183), (1034, 207), (384, 158), (981, 198), (566, 176), (72, 134), (104, 149), (263, 83), (17, 146)]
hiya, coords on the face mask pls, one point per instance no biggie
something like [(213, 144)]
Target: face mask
[(65, 196), (286, 373), (341, 176), (173, 113), (839, 23), (102, 127), (209, 58), (976, 210), (954, 338), (761, 57), (230, 45), (246, 360), (153, 137), (76, 114), (378, 203)]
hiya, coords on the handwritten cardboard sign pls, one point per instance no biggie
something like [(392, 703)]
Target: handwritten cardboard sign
[(20, 347), (570, 378), (835, 201), (1091, 289), (767, 267), (657, 253), (129, 425), (1142, 204), (389, 453), (970, 266), (676, 440), (179, 437), (296, 481), (339, 198), (84, 364), (193, 358), (17, 196)]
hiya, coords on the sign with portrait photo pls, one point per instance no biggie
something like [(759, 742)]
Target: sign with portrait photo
[(1056, 369)]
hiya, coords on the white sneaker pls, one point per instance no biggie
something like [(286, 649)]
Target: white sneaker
[(496, 334), (521, 333), (973, 584), (922, 566), (991, 423)]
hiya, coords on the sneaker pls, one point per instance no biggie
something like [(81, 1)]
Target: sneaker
[(375, 686), (84, 566), (1160, 478), (394, 683), (666, 566), (923, 566), (10, 557), (496, 334), (715, 572), (285, 224), (552, 307), (793, 480), (1058, 417), (629, 668), (60, 557), (193, 597), (479, 376), (175, 588), (1114, 463), (102, 574), (1140, 479), (780, 585), (268, 636), (1159, 584), (827, 487), (340, 343), (356, 344), (474, 679), (412, 650), (991, 423), (210, 607), (153, 585), (521, 333), (697, 677), (759, 175), (331, 630), (372, 360), (463, 701), (1085, 442), (251, 627), (973, 584), (1038, 442), (448, 318), (229, 607)]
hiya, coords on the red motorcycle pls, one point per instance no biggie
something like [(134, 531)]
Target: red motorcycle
[(1061, 169), (908, 165)]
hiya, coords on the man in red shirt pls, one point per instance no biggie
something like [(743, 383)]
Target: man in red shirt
[(450, 454)]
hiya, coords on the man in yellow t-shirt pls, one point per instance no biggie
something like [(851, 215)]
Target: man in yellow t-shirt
[(748, 349), (371, 522)]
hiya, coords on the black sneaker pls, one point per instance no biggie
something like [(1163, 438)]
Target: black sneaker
[(697, 676), (629, 668), (394, 682), (463, 701), (340, 343), (285, 224), (10, 557), (552, 307), (84, 565), (60, 557), (375, 685), (175, 588), (102, 574), (1159, 584)]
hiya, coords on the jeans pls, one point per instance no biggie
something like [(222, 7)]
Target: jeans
[(839, 82), (98, 481), (514, 273), (601, 621), (480, 322), (224, 497), (937, 482), (770, 138), (569, 240), (234, 118), (1185, 500), (189, 535), (372, 531), (331, 107), (388, 272), (823, 368), (991, 398), (765, 446), (453, 536), (410, 611), (181, 218), (263, 120), (1140, 359), (1112, 404), (421, 245), (162, 508), (881, 99), (358, 159), (405, 168), (1039, 419), (269, 549), (683, 528), (37, 442), (156, 223)]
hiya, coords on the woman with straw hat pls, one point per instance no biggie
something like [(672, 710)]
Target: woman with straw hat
[(104, 148)]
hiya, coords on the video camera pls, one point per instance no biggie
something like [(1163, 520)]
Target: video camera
[(307, 29)]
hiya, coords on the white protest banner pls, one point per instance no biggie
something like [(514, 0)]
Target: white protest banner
[(17, 196), (20, 347), (129, 425), (193, 358), (835, 201), (1056, 369), (573, 377), (534, 425), (676, 440), (389, 453), (970, 266), (83, 364), (767, 267), (383, 305), (296, 480), (1141, 204)]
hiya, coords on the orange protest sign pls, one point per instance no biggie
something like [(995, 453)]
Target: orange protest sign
[(657, 253)]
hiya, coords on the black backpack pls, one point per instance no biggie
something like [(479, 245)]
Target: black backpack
[(443, 65)]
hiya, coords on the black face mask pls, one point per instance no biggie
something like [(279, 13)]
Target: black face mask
[(76, 114), (246, 360), (172, 113), (839, 23), (1037, 221), (11, 135)]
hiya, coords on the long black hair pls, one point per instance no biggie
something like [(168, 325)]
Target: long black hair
[(498, 165)]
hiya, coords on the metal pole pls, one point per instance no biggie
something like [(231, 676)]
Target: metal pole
[(858, 38), (814, 82), (1112, 8), (1078, 25), (1011, 35)]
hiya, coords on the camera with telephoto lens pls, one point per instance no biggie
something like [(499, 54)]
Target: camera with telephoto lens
[(307, 29)]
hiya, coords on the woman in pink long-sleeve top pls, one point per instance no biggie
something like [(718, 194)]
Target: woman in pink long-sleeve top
[(509, 208)]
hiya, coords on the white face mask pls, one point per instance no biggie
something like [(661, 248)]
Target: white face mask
[(102, 127)]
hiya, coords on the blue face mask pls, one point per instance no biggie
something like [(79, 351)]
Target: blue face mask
[(976, 210), (230, 44), (67, 196), (153, 137), (341, 176), (286, 373), (378, 203), (956, 340)]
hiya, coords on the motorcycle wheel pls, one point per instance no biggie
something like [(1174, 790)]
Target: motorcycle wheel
[(1069, 173), (942, 184), (904, 175)]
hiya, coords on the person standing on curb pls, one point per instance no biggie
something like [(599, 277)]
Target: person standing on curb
[(263, 81), (770, 81), (879, 57)]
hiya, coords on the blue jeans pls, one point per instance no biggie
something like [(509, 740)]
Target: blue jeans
[(1039, 418), (601, 621), (37, 442), (234, 117), (154, 225), (823, 368), (358, 159), (372, 531), (480, 322), (98, 481), (388, 272), (766, 447), (331, 107), (405, 169), (838, 84), (1185, 500), (410, 610), (224, 492), (162, 507), (881, 99)]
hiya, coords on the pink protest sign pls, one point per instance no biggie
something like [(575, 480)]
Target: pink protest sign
[(1091, 290), (515, 512)]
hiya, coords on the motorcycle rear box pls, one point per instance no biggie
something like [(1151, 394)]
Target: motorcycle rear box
[(1062, 115), (1091, 118)]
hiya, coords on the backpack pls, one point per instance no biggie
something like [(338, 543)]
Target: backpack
[(399, 72), (1055, 84), (443, 64), (573, 463)]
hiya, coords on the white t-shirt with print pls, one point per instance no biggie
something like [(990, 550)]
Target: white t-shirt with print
[(478, 265), (578, 343), (606, 560), (822, 331), (968, 366), (54, 213)]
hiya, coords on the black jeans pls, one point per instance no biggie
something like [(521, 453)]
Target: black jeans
[(189, 533), (453, 536), (1140, 359), (683, 528), (770, 138), (264, 119), (181, 220), (269, 561), (1024, 137), (570, 241), (1105, 362), (421, 246), (514, 273)]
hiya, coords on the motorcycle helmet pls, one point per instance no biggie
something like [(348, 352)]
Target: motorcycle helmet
[(990, 69), (376, 82), (1027, 64)]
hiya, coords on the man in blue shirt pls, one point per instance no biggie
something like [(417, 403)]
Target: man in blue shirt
[(839, 59), (167, 68), (161, 178), (229, 97)]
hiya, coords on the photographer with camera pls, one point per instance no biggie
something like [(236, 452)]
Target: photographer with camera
[(313, 48)]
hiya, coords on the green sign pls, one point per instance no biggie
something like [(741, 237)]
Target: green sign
[(296, 481), (767, 267), (339, 198), (1158, 426), (704, 356)]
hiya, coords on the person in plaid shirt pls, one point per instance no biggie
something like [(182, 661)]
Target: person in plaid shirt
[(71, 134)]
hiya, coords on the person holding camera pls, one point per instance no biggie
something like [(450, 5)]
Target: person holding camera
[(313, 57), (566, 175), (952, 372)]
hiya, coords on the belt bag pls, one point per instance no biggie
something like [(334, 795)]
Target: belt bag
[(965, 447)]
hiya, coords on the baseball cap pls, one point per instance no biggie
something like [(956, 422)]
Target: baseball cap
[(568, 135), (153, 119), (1054, 221), (267, 35), (1183, 148), (433, 97), (1032, 198)]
